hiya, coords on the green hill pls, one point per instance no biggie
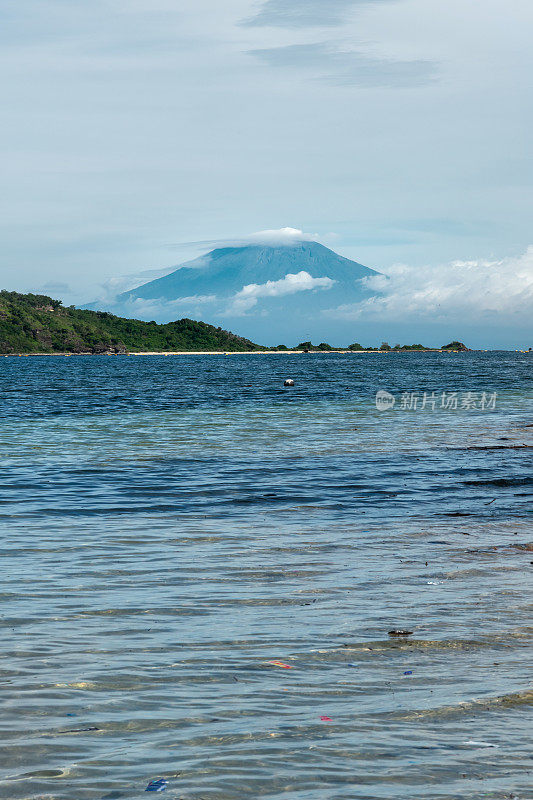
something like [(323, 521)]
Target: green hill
[(34, 323)]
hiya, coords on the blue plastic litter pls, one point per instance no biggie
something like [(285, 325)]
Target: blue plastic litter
[(408, 672), (159, 785)]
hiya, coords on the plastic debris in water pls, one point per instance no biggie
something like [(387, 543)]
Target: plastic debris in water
[(82, 730), (400, 633), (408, 672), (480, 744), (158, 785), (280, 664), (326, 719)]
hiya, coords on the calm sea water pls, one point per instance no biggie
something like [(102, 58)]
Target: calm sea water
[(173, 525)]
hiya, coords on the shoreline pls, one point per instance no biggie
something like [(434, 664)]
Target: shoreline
[(249, 353)]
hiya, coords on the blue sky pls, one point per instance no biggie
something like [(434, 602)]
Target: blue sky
[(397, 131)]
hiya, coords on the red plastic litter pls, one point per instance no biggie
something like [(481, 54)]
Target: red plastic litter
[(280, 664), (326, 719)]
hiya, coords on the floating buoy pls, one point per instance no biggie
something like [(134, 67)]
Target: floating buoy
[(289, 382)]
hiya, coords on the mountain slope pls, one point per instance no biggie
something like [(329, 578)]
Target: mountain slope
[(225, 271), (278, 292), (32, 323)]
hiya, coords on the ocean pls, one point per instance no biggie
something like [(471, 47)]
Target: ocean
[(201, 569)]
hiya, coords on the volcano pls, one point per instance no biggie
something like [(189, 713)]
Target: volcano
[(266, 290)]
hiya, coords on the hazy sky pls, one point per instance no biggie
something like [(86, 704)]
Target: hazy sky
[(399, 131)]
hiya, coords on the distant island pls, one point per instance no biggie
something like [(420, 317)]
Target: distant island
[(35, 323)]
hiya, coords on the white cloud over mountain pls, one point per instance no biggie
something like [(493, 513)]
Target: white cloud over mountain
[(302, 281), (161, 309), (500, 291), (281, 236)]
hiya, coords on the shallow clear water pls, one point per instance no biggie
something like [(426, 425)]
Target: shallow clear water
[(170, 525)]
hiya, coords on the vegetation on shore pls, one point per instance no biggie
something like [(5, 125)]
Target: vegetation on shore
[(324, 347), (454, 346), (33, 323)]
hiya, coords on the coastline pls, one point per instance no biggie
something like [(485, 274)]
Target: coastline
[(250, 353)]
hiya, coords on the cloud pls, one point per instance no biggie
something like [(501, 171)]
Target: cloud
[(348, 67), (58, 287), (478, 291), (282, 236), (305, 13), (292, 282), (194, 299), (159, 309), (278, 236), (111, 288)]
